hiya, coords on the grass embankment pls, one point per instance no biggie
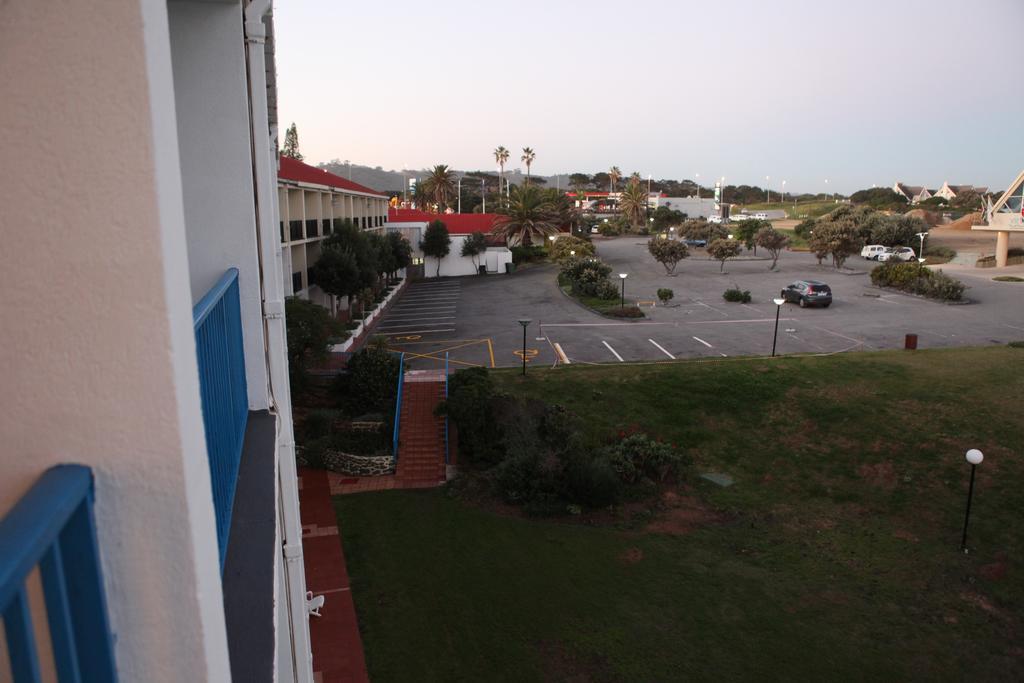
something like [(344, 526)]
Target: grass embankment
[(799, 210), (834, 556), (795, 240)]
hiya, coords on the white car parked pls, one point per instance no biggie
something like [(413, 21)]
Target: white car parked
[(761, 216), (899, 253), (714, 219), (873, 251)]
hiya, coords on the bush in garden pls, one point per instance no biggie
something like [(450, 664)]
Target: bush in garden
[(470, 405), (586, 276), (370, 383), (528, 254), (638, 457), (566, 243), (915, 279), (606, 290), (804, 228), (667, 252), (737, 296), (665, 295), (627, 312), (722, 250)]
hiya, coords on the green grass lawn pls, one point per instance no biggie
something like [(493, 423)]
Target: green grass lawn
[(795, 240), (834, 556), (799, 210)]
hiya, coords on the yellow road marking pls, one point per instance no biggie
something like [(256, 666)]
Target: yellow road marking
[(490, 349), (529, 355)]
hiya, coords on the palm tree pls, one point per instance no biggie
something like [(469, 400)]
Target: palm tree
[(528, 156), (614, 174), (633, 202), (528, 213), (501, 156), (440, 184)]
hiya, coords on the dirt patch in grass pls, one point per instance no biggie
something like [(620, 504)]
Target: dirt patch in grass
[(880, 475), (631, 556), (994, 571), (682, 515), (905, 535), (559, 664)]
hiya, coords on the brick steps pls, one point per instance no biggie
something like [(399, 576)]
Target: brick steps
[(421, 434)]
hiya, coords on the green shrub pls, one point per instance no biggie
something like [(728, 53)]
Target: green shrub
[(370, 383), (1016, 344), (1008, 278), (470, 407), (737, 296), (665, 295), (361, 442), (610, 229), (606, 289), (915, 279), (591, 482), (586, 277), (566, 243), (638, 457), (317, 424), (521, 254), (803, 228)]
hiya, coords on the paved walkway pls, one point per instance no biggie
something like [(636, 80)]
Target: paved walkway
[(337, 646)]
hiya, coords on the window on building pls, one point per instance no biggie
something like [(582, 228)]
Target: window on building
[(1015, 202), (295, 230), (312, 227), (297, 282), (282, 232), (327, 226), (337, 224)]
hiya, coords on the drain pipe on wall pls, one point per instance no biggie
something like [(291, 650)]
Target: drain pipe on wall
[(264, 160)]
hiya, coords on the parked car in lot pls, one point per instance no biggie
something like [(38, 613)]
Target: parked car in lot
[(714, 219), (808, 293), (900, 253), (761, 216), (872, 251), (695, 243)]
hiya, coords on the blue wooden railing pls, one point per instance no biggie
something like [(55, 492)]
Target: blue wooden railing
[(446, 411), (398, 406), (52, 527), (217, 319)]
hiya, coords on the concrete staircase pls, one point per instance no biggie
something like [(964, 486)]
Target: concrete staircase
[(421, 434)]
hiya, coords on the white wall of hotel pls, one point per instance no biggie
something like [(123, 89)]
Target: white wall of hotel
[(102, 362), (1005, 217), (454, 263)]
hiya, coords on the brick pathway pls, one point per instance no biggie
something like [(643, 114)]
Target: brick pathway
[(337, 646)]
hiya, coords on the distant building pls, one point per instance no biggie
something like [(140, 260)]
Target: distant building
[(913, 193), (1005, 216), (412, 223), (313, 203), (950, 192), (693, 207)]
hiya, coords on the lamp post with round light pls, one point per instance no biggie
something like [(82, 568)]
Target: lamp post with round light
[(974, 457), (778, 309), (623, 276), (525, 322), (921, 236)]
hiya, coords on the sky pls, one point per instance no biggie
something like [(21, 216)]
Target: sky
[(857, 93)]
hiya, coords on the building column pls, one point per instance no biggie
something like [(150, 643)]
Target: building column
[(1002, 248)]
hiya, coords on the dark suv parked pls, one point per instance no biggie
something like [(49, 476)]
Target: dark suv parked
[(808, 293)]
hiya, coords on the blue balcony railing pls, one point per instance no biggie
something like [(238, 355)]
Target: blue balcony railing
[(217, 320), (52, 527), (398, 407)]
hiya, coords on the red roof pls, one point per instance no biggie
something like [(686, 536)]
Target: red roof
[(293, 169), (457, 223)]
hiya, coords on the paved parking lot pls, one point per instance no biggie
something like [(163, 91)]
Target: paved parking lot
[(473, 319)]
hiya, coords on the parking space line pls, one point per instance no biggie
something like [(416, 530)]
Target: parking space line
[(561, 354), (409, 297), (704, 342), (614, 352), (425, 308), (448, 329), (419, 317), (662, 349), (412, 324), (716, 310)]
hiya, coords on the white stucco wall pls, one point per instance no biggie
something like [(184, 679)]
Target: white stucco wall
[(207, 50), (96, 354), (454, 264)]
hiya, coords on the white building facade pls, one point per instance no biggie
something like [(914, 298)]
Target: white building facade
[(148, 386), (1006, 215)]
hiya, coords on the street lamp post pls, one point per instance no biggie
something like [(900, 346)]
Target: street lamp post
[(778, 309), (974, 456), (921, 236), (783, 191), (459, 190), (525, 322), (622, 276)]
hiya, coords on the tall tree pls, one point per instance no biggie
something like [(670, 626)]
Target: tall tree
[(528, 213), (773, 241), (614, 175), (401, 250), (633, 203), (474, 245), (436, 242), (722, 250), (440, 184), (501, 156), (667, 252), (528, 156), (291, 143)]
